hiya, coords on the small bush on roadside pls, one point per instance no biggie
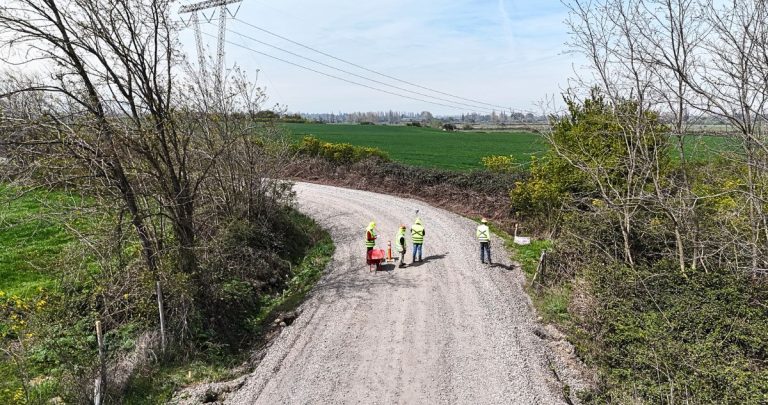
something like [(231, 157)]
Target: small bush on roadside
[(338, 153), (500, 164)]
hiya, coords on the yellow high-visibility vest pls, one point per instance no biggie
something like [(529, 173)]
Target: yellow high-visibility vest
[(483, 233)]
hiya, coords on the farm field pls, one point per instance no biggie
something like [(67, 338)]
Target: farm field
[(29, 243), (428, 147)]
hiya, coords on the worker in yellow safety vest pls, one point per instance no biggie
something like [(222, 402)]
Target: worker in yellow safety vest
[(484, 236), (417, 236), (370, 236), (400, 244)]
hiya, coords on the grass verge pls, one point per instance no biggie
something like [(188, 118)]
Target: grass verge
[(551, 302), (30, 243)]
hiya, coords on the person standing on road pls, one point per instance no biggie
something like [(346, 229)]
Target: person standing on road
[(417, 236), (370, 236), (400, 244), (484, 236)]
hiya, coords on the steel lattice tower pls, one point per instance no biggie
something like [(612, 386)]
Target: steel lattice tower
[(195, 20)]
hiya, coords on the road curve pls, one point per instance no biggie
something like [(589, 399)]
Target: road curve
[(446, 331)]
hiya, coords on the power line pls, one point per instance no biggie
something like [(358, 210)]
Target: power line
[(367, 69), (334, 76), (359, 76)]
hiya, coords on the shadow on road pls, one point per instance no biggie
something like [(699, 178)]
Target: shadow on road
[(360, 282), (428, 259), (503, 266), (435, 257)]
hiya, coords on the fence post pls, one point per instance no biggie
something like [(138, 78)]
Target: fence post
[(100, 387), (538, 276), (161, 309)]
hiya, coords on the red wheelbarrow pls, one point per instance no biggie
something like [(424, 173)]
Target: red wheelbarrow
[(374, 259)]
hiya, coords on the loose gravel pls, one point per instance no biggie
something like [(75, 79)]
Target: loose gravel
[(448, 330)]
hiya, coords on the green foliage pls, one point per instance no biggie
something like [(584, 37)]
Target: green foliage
[(303, 278), (33, 249), (553, 303), (528, 255), (48, 310), (655, 333), (671, 338), (250, 261), (593, 153), (157, 384), (338, 153), (500, 164), (293, 118), (266, 116), (540, 196), (29, 241)]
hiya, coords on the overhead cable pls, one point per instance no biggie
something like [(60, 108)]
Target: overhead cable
[(367, 69), (474, 106), (334, 76)]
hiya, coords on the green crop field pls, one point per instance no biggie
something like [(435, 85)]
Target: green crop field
[(427, 146), (460, 150), (30, 243)]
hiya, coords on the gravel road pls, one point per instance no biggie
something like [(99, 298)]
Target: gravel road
[(447, 330)]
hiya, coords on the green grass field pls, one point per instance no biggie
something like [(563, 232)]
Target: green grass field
[(460, 150), (428, 147), (29, 243)]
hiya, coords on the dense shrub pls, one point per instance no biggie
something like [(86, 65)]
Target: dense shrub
[(500, 164), (338, 153), (250, 260), (656, 328), (663, 338)]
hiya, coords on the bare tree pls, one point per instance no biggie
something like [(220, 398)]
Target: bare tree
[(684, 58), (114, 110)]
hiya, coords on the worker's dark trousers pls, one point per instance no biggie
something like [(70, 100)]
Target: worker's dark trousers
[(485, 250), (402, 258)]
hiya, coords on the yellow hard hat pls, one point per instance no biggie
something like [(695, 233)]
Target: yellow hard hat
[(484, 220), (372, 225), (418, 221)]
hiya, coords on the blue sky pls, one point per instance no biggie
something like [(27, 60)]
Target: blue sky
[(503, 52)]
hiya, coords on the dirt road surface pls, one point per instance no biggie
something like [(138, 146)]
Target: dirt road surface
[(448, 330)]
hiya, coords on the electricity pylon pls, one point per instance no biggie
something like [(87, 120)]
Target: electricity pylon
[(195, 20)]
